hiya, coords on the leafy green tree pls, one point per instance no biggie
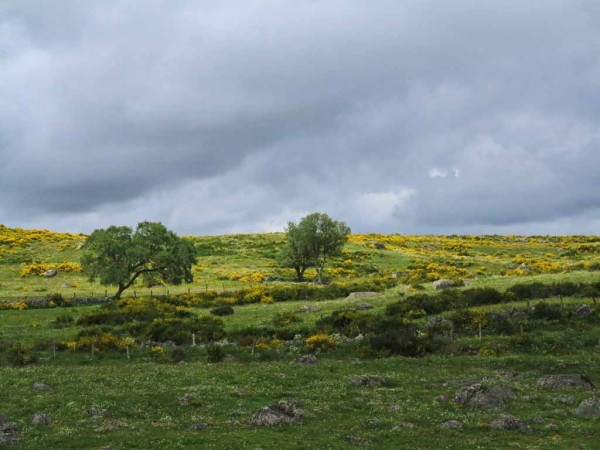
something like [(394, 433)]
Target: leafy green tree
[(312, 242), (119, 256)]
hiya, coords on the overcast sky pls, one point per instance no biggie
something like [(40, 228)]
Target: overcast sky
[(405, 116)]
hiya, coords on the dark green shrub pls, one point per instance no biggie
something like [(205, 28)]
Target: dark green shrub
[(462, 320), (225, 310), (19, 356), (206, 329), (285, 319), (215, 353), (530, 290), (404, 341), (547, 311), (481, 296), (348, 322), (177, 355), (63, 321)]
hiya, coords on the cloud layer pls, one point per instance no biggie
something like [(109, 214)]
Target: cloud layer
[(396, 116)]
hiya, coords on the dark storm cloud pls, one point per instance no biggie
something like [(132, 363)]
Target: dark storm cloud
[(419, 116)]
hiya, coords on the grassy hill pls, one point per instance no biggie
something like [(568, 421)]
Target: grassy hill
[(114, 380)]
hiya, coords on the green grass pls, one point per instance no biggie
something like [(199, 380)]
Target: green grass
[(141, 394)]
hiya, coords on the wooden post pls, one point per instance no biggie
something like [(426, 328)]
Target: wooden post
[(479, 331), (193, 340), (127, 350), (151, 293)]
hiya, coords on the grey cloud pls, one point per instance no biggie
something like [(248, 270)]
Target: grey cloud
[(242, 115)]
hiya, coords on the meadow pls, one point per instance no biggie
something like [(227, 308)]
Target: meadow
[(190, 366)]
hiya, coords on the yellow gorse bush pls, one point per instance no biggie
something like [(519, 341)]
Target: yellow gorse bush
[(320, 342), (39, 269)]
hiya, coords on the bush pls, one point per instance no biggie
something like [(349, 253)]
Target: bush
[(320, 342), (547, 311), (347, 322), (285, 319), (206, 329), (225, 310), (215, 353), (19, 356), (63, 321), (178, 355), (481, 296), (405, 341)]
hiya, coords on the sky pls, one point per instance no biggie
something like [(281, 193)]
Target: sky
[(394, 116)]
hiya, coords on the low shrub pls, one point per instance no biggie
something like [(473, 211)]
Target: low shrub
[(225, 310), (320, 342)]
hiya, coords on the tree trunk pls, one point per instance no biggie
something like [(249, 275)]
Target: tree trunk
[(299, 273), (117, 296)]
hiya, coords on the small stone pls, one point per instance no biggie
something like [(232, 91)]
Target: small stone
[(443, 284), (239, 392), (539, 420), (228, 358), (478, 395), (452, 425), (354, 295), (186, 399), (66, 285), (441, 398), (551, 427), (369, 380), (394, 408), (50, 273), (309, 360), (42, 419), (508, 422), (199, 426), (583, 310), (309, 309), (277, 414), (566, 381), (589, 408), (364, 306), (355, 440), (564, 399), (42, 387), (97, 412)]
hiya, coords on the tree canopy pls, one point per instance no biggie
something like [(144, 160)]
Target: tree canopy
[(312, 242), (118, 256)]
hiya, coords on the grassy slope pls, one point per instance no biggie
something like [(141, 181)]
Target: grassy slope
[(142, 396)]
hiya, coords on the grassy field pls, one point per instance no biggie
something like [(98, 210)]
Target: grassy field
[(133, 396)]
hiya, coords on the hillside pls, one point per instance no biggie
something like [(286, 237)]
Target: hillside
[(404, 366)]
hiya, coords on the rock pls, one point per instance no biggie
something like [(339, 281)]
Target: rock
[(42, 387), (407, 425), (394, 408), (79, 246), (66, 285), (443, 284), (452, 425), (50, 273), (564, 399), (539, 420), (441, 398), (589, 408), (109, 427), (6, 426), (369, 380), (8, 432), (97, 412), (379, 246), (200, 426), (508, 422), (566, 381), (37, 302), (480, 396), (228, 358), (355, 440), (551, 427), (439, 322), (187, 399), (309, 360), (41, 419), (354, 295), (583, 310), (363, 306), (277, 414), (309, 309), (524, 267)]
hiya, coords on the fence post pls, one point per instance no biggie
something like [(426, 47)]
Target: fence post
[(193, 340)]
